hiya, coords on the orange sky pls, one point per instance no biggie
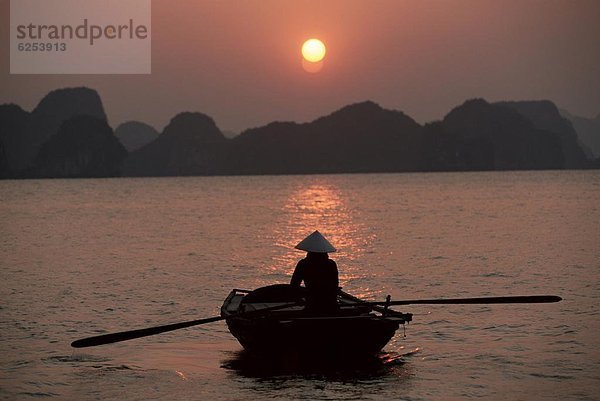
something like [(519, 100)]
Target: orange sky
[(239, 61)]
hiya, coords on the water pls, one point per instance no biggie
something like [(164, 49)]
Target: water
[(83, 257)]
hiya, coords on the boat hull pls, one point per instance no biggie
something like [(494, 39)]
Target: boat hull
[(351, 332), (360, 335)]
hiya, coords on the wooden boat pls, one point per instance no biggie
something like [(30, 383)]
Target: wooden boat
[(272, 320), (354, 329)]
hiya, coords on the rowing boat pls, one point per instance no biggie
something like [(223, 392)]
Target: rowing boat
[(354, 329), (272, 320)]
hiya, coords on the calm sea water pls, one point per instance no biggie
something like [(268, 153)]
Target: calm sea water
[(83, 257)]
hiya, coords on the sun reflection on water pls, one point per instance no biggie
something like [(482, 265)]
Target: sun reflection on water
[(181, 375), (322, 206)]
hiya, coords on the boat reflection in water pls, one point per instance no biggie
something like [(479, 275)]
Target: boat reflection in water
[(378, 366)]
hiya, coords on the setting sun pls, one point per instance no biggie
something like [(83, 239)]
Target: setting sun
[(313, 50)]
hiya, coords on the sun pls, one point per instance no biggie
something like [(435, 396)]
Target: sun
[(313, 50)]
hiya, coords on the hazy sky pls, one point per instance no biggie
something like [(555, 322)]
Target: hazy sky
[(239, 61)]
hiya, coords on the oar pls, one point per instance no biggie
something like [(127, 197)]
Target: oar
[(520, 299), (150, 331)]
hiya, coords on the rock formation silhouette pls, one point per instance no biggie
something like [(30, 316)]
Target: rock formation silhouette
[(190, 145), (67, 135), (134, 134), (23, 133), (588, 131), (481, 136), (545, 115), (362, 137), (15, 139), (84, 146)]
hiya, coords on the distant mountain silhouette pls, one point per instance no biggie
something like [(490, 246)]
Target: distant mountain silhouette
[(229, 134), (545, 115), (588, 131), (4, 173), (16, 142), (482, 136), (84, 146), (67, 135), (134, 134), (24, 133), (362, 137), (62, 104), (190, 145)]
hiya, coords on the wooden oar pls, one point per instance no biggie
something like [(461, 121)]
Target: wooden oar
[(150, 331), (520, 299)]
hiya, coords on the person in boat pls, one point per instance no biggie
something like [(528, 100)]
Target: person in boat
[(319, 273)]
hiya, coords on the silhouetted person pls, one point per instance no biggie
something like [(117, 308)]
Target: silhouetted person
[(319, 273)]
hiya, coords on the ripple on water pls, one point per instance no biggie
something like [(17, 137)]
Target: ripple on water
[(38, 394), (90, 361), (551, 377), (76, 358)]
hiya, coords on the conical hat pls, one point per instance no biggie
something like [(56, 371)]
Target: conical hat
[(315, 243)]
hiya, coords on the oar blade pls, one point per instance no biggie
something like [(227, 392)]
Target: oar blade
[(112, 338), (138, 333)]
